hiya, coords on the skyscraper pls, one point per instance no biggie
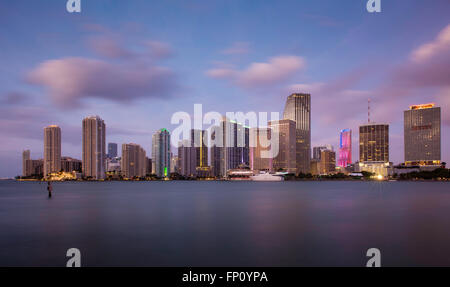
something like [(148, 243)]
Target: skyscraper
[(25, 156), (134, 161), (422, 135), (112, 150), (317, 151), (193, 154), (327, 162), (298, 109), (285, 131), (161, 153), (186, 158), (345, 148), (94, 153), (374, 143), (260, 155), (52, 149)]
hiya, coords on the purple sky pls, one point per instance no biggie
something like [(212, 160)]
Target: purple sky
[(135, 63)]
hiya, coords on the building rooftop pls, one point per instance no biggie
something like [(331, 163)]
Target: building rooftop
[(422, 106)]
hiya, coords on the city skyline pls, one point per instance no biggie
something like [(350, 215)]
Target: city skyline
[(340, 54)]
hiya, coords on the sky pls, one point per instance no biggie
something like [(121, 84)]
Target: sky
[(136, 63)]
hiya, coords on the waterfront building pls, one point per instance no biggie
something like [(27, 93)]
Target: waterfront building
[(69, 164), (34, 167), (374, 142), (230, 147), (327, 162), (174, 164), (186, 158), (345, 148), (112, 150), (26, 155), (422, 135), (315, 166), (161, 153), (113, 165), (133, 161), (94, 152), (286, 133), (52, 149), (374, 149), (149, 166), (298, 109), (317, 151), (260, 149)]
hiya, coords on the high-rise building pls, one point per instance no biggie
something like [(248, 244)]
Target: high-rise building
[(94, 152), (317, 151), (186, 158), (25, 156), (285, 131), (345, 148), (112, 150), (34, 167), (298, 109), (114, 165), (230, 147), (69, 164), (422, 135), (52, 149), (161, 153), (193, 154), (134, 161), (374, 143), (260, 149), (237, 145), (327, 162), (149, 166)]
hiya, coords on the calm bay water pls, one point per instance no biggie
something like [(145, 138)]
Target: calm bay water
[(189, 223)]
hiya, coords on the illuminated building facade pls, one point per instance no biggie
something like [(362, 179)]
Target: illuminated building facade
[(327, 162), (161, 155), (94, 152), (298, 109), (52, 149), (345, 148), (374, 143), (422, 135)]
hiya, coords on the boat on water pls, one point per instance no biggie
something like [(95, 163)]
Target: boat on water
[(267, 177)]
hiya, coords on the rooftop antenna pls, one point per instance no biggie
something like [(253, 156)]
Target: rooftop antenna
[(368, 110)]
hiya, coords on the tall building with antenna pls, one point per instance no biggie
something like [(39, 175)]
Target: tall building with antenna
[(374, 146)]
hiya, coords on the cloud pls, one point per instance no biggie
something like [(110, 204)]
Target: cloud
[(109, 47), (159, 50), (275, 71), (69, 80), (429, 50), (237, 48), (112, 46)]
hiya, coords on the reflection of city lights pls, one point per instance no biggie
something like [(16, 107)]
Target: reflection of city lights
[(379, 177)]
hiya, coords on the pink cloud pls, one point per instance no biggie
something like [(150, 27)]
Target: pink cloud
[(428, 50), (69, 80), (275, 71)]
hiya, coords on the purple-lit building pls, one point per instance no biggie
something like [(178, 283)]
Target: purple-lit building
[(345, 148)]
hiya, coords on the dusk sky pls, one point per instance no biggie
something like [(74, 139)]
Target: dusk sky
[(135, 63)]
